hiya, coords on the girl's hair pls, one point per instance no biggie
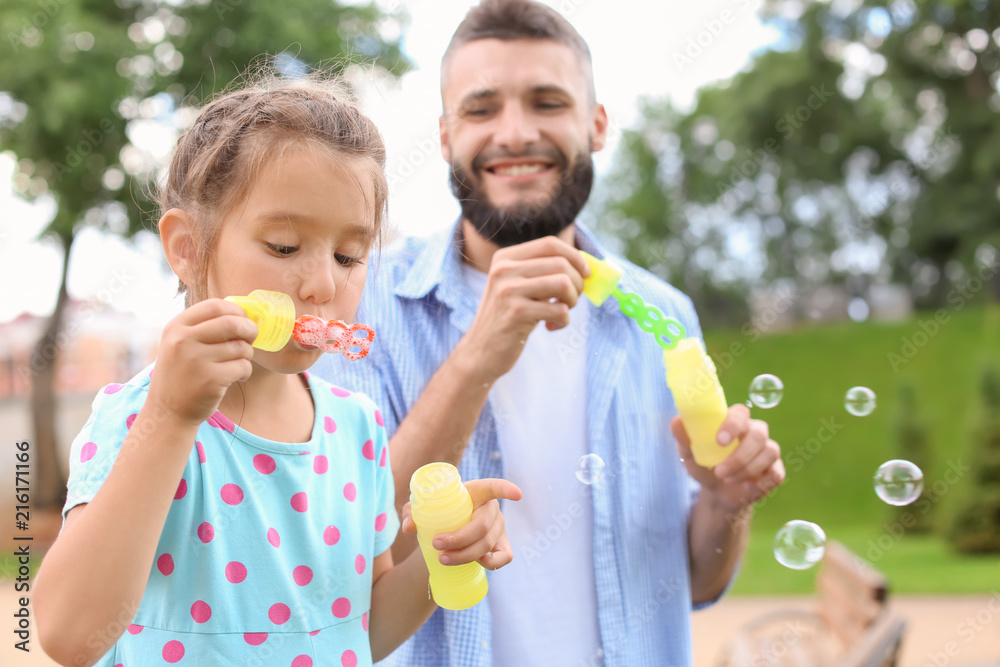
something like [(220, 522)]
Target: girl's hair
[(219, 158)]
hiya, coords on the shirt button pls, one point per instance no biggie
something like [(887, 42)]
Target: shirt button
[(495, 455)]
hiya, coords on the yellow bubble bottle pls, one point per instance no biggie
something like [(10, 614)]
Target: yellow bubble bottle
[(440, 503), (274, 315), (699, 398)]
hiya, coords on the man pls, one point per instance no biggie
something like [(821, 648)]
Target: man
[(605, 572)]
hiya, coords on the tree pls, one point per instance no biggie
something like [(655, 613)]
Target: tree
[(80, 79), (860, 148), (976, 528)]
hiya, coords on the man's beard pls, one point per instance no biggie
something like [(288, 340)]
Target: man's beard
[(525, 221)]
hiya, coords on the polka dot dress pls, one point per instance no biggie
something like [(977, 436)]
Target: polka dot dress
[(265, 558)]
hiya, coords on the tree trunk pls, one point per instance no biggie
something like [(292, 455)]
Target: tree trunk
[(49, 485)]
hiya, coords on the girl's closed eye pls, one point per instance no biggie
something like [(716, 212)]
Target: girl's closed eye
[(281, 249), (347, 260)]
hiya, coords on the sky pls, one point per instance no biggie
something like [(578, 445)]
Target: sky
[(653, 48)]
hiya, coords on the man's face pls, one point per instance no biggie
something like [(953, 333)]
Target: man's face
[(518, 129)]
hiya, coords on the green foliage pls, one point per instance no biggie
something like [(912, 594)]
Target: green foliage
[(863, 147), (977, 526), (78, 79), (913, 444), (831, 456)]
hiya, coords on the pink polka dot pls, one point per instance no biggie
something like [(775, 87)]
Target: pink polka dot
[(300, 502), (349, 659), (134, 629), (273, 537), (342, 393), (331, 535), (201, 451), (350, 492), (206, 532), (359, 564), (364, 621), (200, 611), (254, 638), (232, 494), (379, 419), (314, 633), (264, 464), (380, 521), (219, 420), (87, 451), (236, 571), (113, 388), (165, 564), (329, 425), (381, 461), (341, 607), (129, 420), (321, 464), (302, 575), (368, 450), (279, 613), (302, 661), (305, 374), (173, 651), (304, 453), (182, 489)]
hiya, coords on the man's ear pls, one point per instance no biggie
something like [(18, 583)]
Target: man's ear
[(445, 148), (177, 233), (600, 127)]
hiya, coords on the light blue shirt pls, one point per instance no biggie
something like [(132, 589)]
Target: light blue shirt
[(420, 306)]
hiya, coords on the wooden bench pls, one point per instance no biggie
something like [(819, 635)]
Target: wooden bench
[(851, 624)]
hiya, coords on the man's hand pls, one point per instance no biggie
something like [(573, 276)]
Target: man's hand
[(484, 538), (528, 283), (750, 472)]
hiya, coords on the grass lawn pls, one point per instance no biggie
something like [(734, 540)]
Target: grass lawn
[(831, 456)]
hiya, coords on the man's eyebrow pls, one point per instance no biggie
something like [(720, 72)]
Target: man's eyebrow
[(549, 88), (479, 95), (275, 218)]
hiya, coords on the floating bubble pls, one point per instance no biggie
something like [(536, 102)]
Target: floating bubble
[(899, 482), (766, 390), (799, 545), (860, 401), (590, 469)]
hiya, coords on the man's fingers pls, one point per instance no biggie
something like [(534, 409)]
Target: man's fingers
[(680, 434), (735, 424), (546, 247)]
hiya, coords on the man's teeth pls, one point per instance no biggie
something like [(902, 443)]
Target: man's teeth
[(519, 170)]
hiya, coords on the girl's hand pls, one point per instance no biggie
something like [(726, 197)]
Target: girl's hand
[(484, 538), (202, 352)]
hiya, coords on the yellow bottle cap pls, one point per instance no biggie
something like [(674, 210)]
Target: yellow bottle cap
[(603, 279), (274, 315)]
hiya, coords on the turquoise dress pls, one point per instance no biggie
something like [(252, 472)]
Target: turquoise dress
[(266, 554)]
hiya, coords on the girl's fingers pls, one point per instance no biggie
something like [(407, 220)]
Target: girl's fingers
[(225, 328)]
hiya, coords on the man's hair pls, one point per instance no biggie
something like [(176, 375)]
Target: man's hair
[(520, 19)]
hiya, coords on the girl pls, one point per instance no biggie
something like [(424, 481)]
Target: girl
[(224, 506)]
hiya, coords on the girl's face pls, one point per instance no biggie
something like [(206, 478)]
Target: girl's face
[(303, 229)]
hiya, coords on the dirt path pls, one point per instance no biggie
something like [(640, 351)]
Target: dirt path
[(966, 626)]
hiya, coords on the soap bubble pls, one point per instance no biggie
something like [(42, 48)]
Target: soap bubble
[(860, 401), (799, 545), (766, 391), (590, 469), (899, 482)]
